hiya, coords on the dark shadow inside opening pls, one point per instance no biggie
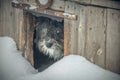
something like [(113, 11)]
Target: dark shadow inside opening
[(41, 61)]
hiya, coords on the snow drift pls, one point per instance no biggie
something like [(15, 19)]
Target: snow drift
[(73, 67), (12, 64)]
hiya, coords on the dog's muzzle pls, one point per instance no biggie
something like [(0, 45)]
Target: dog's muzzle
[(51, 48), (49, 43)]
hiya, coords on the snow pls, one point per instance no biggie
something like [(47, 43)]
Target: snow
[(15, 1), (72, 67), (12, 64), (32, 7)]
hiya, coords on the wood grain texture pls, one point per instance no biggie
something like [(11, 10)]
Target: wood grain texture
[(8, 20), (113, 41), (100, 3), (71, 32), (29, 38), (72, 29), (107, 3), (81, 30), (58, 5), (95, 38), (67, 31)]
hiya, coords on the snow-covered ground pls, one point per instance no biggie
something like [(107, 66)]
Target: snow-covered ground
[(73, 67), (12, 64)]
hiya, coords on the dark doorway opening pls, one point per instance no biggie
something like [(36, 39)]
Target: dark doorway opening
[(42, 61)]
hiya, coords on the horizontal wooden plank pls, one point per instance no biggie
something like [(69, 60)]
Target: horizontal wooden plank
[(58, 14), (56, 5), (99, 3), (107, 3), (44, 11)]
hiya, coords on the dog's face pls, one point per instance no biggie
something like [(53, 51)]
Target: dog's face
[(50, 38)]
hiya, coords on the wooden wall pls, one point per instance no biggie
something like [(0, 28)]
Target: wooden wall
[(12, 24), (95, 34), (9, 20)]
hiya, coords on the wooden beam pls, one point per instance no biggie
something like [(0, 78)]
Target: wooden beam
[(45, 11), (58, 14), (99, 3)]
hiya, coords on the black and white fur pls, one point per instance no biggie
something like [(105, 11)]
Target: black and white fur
[(50, 37)]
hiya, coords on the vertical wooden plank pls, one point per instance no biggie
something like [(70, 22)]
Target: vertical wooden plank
[(22, 31), (29, 42), (73, 34), (8, 22), (81, 30), (74, 30), (70, 36), (11, 24), (113, 41), (95, 42), (58, 5), (66, 32), (1, 17)]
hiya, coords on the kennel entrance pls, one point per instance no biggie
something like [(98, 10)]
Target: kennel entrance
[(28, 28), (31, 21)]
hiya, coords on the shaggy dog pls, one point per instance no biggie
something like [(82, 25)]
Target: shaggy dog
[(50, 37)]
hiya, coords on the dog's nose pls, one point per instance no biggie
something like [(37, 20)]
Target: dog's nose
[(49, 45)]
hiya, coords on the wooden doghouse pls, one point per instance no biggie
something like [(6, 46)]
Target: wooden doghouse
[(91, 27)]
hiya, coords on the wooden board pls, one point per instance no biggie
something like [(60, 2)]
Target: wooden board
[(29, 38), (81, 34), (82, 1), (72, 28), (58, 5), (113, 41), (107, 3), (95, 38), (99, 3), (8, 20), (67, 31)]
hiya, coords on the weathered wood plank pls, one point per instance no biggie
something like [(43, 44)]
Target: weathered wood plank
[(99, 3), (8, 20), (81, 30), (113, 41), (1, 17), (95, 42), (29, 40), (22, 31), (58, 5), (72, 28), (68, 33), (82, 1), (107, 3)]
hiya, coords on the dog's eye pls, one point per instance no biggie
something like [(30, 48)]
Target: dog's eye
[(58, 32)]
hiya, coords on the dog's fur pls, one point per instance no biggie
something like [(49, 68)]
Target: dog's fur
[(49, 37)]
